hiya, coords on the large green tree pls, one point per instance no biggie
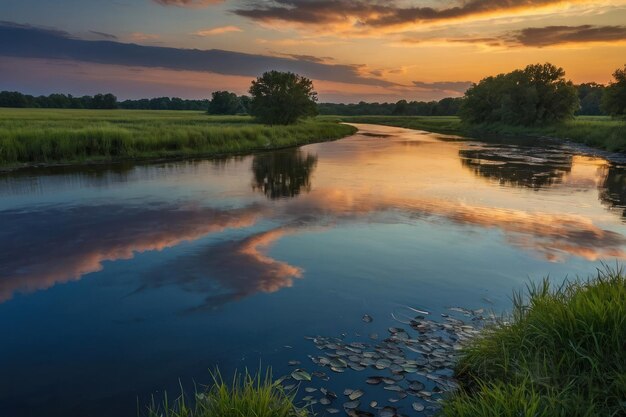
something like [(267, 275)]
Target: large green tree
[(614, 98), (538, 94), (224, 102), (282, 98)]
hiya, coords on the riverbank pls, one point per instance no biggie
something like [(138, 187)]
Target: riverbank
[(31, 137), (561, 354), (595, 131)]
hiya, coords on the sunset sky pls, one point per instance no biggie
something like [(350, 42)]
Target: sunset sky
[(354, 50)]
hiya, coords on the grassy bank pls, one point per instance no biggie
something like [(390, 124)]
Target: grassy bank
[(33, 136), (596, 131), (245, 396), (563, 354)]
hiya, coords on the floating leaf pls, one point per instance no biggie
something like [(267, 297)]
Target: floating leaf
[(374, 380), (356, 394), (351, 404), (301, 375), (417, 407), (387, 412)]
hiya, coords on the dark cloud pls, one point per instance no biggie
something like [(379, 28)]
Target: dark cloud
[(456, 86), (554, 35), (373, 13), (31, 42), (540, 36), (103, 35)]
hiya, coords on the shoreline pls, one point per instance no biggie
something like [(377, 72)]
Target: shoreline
[(46, 139), (451, 125), (156, 160)]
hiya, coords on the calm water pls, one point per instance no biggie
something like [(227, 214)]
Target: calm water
[(117, 281)]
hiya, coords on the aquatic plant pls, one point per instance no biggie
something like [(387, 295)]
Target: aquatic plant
[(563, 354), (247, 395)]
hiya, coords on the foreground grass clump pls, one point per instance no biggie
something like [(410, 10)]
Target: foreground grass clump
[(563, 354), (59, 136), (245, 396)]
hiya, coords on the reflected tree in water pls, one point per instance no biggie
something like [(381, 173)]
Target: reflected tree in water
[(518, 166), (283, 174), (613, 189)]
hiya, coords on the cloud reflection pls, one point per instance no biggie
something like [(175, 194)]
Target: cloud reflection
[(56, 246), (59, 244), (229, 271)]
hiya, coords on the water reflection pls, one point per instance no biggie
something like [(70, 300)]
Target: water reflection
[(613, 189), (229, 271), (518, 166), (283, 174), (57, 244)]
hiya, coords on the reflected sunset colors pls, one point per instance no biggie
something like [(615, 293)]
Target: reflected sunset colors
[(107, 271), (381, 174)]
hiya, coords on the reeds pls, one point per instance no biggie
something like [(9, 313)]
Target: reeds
[(246, 395), (51, 136), (597, 131), (563, 354)]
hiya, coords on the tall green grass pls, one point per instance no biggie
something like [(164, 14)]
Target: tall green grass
[(596, 131), (246, 395), (50, 136), (440, 124), (563, 354)]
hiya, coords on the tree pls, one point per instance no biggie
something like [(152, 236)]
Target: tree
[(590, 96), (282, 98), (244, 104), (224, 102), (104, 101), (401, 108), (614, 98), (538, 94)]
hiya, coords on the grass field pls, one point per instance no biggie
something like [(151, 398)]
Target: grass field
[(597, 131), (46, 136), (561, 354)]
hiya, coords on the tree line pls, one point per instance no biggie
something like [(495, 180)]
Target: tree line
[(540, 94), (537, 94), (98, 101)]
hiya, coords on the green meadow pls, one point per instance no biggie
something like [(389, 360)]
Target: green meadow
[(596, 131), (49, 136)]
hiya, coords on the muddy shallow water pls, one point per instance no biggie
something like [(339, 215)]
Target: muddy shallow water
[(117, 281)]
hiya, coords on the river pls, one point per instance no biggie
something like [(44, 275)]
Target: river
[(117, 281)]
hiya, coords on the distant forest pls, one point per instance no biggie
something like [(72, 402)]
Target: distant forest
[(589, 94)]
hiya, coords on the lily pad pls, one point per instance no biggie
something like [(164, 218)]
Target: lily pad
[(301, 375)]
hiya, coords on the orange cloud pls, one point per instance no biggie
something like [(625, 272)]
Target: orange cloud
[(373, 18), (217, 31)]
